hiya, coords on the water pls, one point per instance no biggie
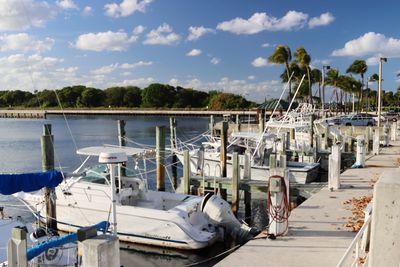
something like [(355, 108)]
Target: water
[(20, 152)]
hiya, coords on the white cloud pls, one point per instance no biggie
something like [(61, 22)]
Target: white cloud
[(138, 29), (260, 62), (251, 77), (323, 20), (24, 42), (14, 14), (135, 65), (163, 35), (259, 22), (196, 32), (372, 61), (370, 44), (320, 62), (126, 8), (194, 53), (139, 82), (215, 61), (87, 11), (104, 41), (105, 69), (173, 82), (126, 73), (67, 4), (265, 45)]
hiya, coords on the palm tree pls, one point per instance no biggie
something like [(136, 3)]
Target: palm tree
[(317, 78), (332, 79), (304, 59), (359, 67), (282, 55)]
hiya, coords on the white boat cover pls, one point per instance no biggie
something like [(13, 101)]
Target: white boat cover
[(96, 150)]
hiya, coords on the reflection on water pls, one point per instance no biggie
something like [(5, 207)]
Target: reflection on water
[(20, 152)]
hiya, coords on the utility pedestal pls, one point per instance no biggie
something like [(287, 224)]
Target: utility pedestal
[(100, 251), (360, 158), (334, 168), (376, 143), (16, 249)]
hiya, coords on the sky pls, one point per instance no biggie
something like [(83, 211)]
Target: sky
[(202, 44)]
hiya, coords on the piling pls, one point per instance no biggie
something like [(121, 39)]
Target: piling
[(224, 143), (16, 249), (334, 168), (247, 193), (393, 135), (122, 142), (367, 140), (235, 183), (376, 142), (160, 157), (186, 172), (386, 135), (100, 251), (174, 160), (47, 146), (211, 125)]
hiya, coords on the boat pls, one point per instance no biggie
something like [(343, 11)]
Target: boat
[(138, 215)]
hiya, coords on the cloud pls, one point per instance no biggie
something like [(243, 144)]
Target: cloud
[(370, 44), (173, 82), (251, 77), (215, 61), (14, 14), (126, 8), (323, 20), (87, 11), (259, 22), (264, 45), (67, 4), (196, 32), (372, 61), (320, 62), (260, 62), (104, 41), (135, 65), (139, 82), (105, 69), (163, 35), (24, 42), (194, 53), (138, 29)]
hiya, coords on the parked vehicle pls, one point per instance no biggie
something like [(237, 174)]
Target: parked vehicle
[(361, 119), (391, 115)]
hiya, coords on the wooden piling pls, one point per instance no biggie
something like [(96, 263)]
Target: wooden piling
[(186, 172), (247, 193), (160, 157), (16, 249), (224, 143), (235, 183), (174, 159), (47, 142), (122, 142)]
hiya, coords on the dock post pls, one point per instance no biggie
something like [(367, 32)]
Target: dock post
[(160, 157), (122, 142), (237, 122), (261, 122), (211, 125), (386, 135), (186, 172), (367, 140), (100, 251), (360, 158), (312, 130), (16, 249), (278, 218), (393, 131), (247, 193), (174, 159), (334, 168), (47, 147), (385, 223), (376, 142), (224, 143), (235, 183)]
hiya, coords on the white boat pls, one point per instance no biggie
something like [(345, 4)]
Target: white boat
[(139, 215)]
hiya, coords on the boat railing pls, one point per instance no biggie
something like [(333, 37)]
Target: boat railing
[(357, 253)]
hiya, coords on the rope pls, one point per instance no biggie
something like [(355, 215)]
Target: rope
[(279, 212)]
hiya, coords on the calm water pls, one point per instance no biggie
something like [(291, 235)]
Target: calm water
[(20, 152)]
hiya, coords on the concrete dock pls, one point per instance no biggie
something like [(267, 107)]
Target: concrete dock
[(317, 235)]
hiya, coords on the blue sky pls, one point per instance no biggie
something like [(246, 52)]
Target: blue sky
[(203, 44)]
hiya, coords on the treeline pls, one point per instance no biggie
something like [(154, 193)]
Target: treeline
[(153, 96)]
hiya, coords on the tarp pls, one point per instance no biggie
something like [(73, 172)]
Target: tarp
[(29, 182)]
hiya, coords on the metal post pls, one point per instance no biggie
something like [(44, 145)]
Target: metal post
[(186, 172), (113, 198), (224, 141), (380, 90), (47, 144), (122, 142), (160, 157), (235, 183)]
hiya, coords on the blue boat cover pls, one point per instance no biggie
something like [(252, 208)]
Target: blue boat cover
[(28, 182)]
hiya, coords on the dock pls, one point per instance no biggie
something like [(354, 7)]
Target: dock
[(317, 233)]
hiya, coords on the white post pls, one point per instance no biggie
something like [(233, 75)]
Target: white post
[(386, 135), (113, 198), (277, 195), (393, 131), (376, 142), (380, 90), (100, 251), (334, 168), (247, 166), (16, 249), (360, 159)]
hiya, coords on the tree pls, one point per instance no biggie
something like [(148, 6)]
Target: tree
[(92, 97), (132, 97), (223, 101), (115, 96), (316, 77), (158, 95), (69, 95), (187, 97), (304, 60), (359, 67), (282, 55)]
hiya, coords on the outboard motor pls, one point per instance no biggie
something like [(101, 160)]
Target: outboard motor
[(220, 213)]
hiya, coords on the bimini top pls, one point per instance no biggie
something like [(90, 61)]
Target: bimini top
[(96, 150)]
